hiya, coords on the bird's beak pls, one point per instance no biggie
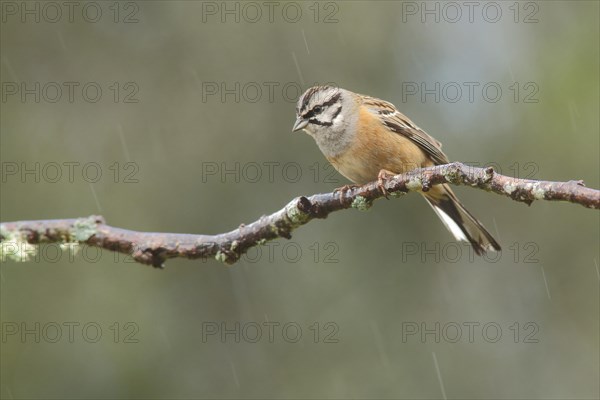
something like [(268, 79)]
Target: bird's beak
[(300, 124)]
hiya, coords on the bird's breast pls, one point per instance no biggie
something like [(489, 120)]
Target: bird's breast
[(375, 148)]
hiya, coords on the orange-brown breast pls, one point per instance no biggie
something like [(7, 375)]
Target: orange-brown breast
[(376, 148)]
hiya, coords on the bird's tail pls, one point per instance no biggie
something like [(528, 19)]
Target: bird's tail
[(458, 220)]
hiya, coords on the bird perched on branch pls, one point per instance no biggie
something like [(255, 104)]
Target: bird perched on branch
[(368, 139)]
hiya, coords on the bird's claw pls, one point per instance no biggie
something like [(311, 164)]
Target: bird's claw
[(382, 178), (342, 190)]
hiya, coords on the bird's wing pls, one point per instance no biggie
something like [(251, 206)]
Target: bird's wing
[(399, 123)]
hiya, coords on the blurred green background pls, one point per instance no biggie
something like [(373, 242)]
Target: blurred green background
[(373, 276)]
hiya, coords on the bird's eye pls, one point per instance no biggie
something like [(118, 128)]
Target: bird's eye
[(318, 109)]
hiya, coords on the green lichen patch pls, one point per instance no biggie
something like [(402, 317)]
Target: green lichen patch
[(296, 216), (361, 203), (452, 175), (83, 229)]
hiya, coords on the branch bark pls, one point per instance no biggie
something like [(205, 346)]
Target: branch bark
[(154, 248)]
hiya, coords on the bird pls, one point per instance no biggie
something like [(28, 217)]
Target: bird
[(368, 139)]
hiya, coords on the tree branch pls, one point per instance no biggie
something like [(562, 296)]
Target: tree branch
[(154, 248)]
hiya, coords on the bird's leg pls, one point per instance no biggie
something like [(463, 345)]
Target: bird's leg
[(343, 190), (382, 177)]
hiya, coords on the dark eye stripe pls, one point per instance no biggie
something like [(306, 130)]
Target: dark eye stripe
[(328, 103), (326, 123), (317, 122)]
